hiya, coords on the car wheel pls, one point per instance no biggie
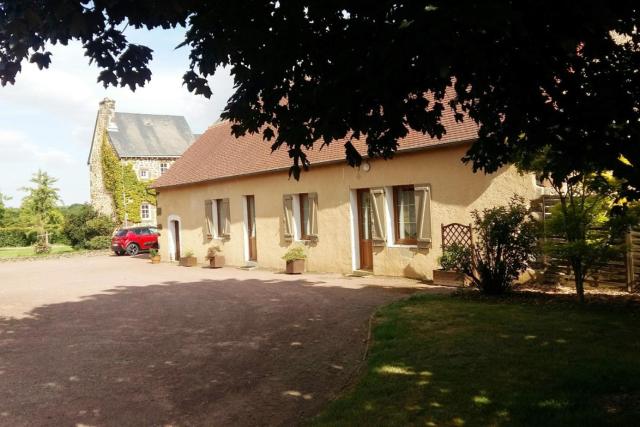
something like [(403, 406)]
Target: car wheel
[(133, 249), (120, 253)]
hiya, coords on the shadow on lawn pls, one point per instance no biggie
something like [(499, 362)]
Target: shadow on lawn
[(229, 352)]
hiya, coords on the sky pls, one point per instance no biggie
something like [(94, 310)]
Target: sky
[(47, 117)]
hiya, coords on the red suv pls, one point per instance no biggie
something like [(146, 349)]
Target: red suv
[(134, 240)]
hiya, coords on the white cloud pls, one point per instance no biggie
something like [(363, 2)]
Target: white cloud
[(68, 90), (16, 148), (47, 117)]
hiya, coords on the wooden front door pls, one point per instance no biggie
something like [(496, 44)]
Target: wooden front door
[(365, 222), (176, 234), (251, 228)]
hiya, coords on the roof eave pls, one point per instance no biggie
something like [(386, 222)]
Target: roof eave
[(324, 163)]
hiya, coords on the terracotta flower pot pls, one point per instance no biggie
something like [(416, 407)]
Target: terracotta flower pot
[(216, 261), (155, 259), (444, 277), (295, 266), (188, 261)]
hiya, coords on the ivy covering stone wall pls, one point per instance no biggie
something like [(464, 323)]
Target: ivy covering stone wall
[(120, 176)]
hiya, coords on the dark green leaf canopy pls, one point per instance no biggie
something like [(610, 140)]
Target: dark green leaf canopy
[(535, 74)]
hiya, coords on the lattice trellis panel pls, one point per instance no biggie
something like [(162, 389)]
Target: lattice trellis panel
[(457, 234)]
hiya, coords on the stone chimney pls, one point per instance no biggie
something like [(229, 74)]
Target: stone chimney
[(101, 200)]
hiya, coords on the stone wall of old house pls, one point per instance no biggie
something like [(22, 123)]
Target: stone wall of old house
[(100, 198), (153, 167)]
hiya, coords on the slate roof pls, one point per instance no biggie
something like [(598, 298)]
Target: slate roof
[(149, 135), (219, 155)]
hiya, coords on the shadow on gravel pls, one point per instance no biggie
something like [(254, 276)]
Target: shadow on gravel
[(229, 352)]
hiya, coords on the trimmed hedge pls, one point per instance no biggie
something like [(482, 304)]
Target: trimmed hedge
[(26, 236), (17, 236)]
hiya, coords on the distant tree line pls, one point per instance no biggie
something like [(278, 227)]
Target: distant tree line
[(41, 213)]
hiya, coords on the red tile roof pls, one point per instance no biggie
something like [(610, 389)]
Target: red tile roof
[(217, 154)]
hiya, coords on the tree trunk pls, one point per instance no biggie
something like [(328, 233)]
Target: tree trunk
[(579, 279)]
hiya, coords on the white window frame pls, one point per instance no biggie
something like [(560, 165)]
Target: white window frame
[(142, 210), (214, 220), (391, 230), (215, 217), (297, 218), (164, 167), (297, 231), (143, 173)]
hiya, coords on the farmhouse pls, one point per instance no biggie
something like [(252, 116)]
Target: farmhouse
[(148, 143), (384, 217)]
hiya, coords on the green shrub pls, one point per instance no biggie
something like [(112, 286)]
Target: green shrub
[(17, 236), (455, 257), (99, 242), (296, 252), (82, 223), (506, 243)]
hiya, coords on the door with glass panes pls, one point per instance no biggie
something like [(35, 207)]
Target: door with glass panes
[(365, 222)]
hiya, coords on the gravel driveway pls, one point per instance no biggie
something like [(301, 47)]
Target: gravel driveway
[(108, 341)]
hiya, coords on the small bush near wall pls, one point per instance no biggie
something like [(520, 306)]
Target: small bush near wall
[(506, 243), (99, 242), (17, 236)]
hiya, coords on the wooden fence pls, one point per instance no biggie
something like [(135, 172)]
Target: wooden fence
[(621, 272)]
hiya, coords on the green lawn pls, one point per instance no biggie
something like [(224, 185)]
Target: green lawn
[(27, 251), (465, 360)]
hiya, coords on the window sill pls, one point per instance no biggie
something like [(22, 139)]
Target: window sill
[(402, 245)]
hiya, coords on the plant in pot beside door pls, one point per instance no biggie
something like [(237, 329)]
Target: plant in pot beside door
[(295, 260), (216, 260), (154, 255), (188, 260), (453, 259)]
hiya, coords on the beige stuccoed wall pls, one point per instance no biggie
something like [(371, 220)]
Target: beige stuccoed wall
[(455, 190)]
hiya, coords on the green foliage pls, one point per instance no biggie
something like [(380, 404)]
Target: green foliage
[(455, 257), (83, 224), (188, 253), (40, 206), (12, 217), (576, 87), (3, 208), (295, 253), (584, 221), (17, 236), (121, 181), (506, 241), (99, 242), (153, 252)]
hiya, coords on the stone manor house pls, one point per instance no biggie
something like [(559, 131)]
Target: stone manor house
[(150, 143)]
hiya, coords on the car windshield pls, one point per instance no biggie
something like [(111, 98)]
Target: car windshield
[(121, 233), (153, 230)]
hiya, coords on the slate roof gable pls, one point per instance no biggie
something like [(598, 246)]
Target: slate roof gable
[(149, 135)]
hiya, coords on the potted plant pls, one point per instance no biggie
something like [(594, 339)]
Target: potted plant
[(155, 256), (188, 260), (295, 257), (215, 259), (452, 259)]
